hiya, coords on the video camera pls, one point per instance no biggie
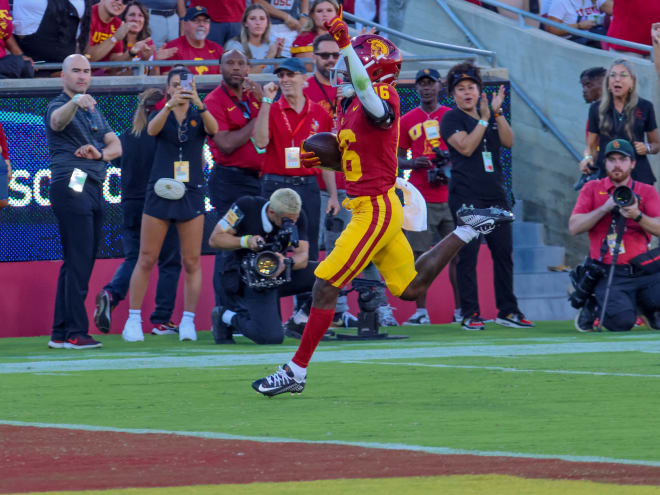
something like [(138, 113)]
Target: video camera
[(258, 269), (584, 278), (441, 171)]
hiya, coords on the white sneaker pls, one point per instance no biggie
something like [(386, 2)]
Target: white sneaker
[(418, 319), (386, 317), (132, 331), (187, 330)]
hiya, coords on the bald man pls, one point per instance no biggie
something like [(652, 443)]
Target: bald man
[(237, 162), (80, 143)]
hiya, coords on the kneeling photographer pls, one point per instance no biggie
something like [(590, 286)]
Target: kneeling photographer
[(621, 275), (258, 234)]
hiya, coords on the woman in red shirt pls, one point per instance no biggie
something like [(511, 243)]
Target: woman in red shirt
[(319, 12)]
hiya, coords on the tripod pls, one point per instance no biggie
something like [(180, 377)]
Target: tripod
[(620, 223)]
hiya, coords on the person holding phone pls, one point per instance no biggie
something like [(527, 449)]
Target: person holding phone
[(175, 194)]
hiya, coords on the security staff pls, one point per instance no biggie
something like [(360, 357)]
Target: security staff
[(251, 222), (80, 142)]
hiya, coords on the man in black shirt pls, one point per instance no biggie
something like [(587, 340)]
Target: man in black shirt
[(251, 223), (80, 142)]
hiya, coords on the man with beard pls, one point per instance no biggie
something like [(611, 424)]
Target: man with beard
[(237, 161), (193, 45), (633, 287)]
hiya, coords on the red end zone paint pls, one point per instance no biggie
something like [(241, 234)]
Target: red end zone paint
[(45, 459)]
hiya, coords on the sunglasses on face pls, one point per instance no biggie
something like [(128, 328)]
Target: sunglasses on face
[(327, 55)]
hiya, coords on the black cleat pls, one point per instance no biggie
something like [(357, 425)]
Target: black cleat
[(483, 220), (278, 383), (102, 311), (222, 333)]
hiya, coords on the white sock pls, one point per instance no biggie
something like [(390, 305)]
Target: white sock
[(227, 316), (135, 314), (458, 313), (299, 373), (188, 317), (465, 233)]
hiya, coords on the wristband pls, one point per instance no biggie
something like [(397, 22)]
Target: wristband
[(648, 147), (638, 218), (168, 106), (497, 112), (483, 123), (245, 241), (260, 151), (587, 157), (75, 98), (113, 39), (265, 99), (203, 109)]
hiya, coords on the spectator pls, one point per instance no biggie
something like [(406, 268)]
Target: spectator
[(281, 131), (320, 12), (225, 18), (622, 114), (237, 162), (285, 20), (136, 162), (5, 170), (13, 63), (164, 19), (420, 132), (80, 142), (49, 30), (251, 222), (592, 83), (193, 45), (586, 15), (107, 31), (139, 45), (255, 40), (474, 133), (596, 212), (655, 33), (632, 21), (180, 132)]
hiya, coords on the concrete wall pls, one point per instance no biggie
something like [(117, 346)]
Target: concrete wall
[(548, 68)]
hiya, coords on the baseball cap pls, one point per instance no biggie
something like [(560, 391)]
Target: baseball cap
[(193, 12), (292, 64), (620, 146), (430, 73)]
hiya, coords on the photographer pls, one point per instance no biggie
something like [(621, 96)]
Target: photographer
[(252, 286), (598, 206), (420, 132)]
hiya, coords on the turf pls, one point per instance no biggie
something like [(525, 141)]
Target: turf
[(517, 402)]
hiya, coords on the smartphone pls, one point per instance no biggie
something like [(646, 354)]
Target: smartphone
[(186, 81)]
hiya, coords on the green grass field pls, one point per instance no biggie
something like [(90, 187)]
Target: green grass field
[(545, 391)]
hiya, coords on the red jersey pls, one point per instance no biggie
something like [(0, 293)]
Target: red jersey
[(420, 131), (303, 44), (631, 21), (6, 26), (3, 144), (287, 128), (635, 241), (185, 51), (100, 31), (369, 153), (233, 115), (222, 11)]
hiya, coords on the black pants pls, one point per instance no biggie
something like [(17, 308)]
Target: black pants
[(226, 185), (500, 243), (258, 312), (80, 218), (169, 263), (627, 294), (310, 194)]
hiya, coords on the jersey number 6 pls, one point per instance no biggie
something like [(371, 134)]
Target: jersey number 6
[(350, 160)]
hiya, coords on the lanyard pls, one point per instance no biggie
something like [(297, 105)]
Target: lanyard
[(333, 105), (300, 123), (242, 104)]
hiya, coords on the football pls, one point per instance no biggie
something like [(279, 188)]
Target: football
[(326, 147)]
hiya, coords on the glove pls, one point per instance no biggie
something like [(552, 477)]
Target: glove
[(308, 159), (338, 30)]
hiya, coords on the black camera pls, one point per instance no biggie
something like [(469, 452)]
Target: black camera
[(258, 269), (584, 178), (584, 278), (441, 171), (623, 196)]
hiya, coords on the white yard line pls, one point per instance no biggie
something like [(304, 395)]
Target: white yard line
[(370, 445)]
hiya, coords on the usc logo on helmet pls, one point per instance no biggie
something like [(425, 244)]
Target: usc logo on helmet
[(378, 48)]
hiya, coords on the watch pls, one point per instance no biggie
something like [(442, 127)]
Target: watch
[(638, 218), (168, 106)]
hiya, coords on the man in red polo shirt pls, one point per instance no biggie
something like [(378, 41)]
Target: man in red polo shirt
[(225, 18), (420, 132), (106, 32), (596, 212), (281, 130), (193, 45)]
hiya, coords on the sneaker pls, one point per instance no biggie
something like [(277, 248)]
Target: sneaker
[(57, 343), (418, 319), (514, 320), (652, 320), (584, 320), (386, 316), (82, 342), (187, 330), (103, 310), (279, 382), (473, 322), (132, 331), (300, 317), (483, 220), (168, 328), (344, 320), (222, 333)]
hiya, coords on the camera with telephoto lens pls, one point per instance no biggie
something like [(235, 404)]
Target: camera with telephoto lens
[(258, 269), (584, 278), (623, 196), (441, 171)]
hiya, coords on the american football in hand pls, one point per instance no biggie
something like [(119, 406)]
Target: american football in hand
[(326, 147)]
